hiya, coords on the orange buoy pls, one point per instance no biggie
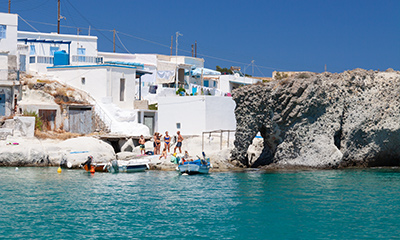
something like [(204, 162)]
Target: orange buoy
[(92, 169)]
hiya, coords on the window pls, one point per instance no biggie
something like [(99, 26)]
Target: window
[(53, 49), (83, 80), (33, 51), (122, 89), (178, 125), (32, 59), (81, 54), (205, 83), (3, 29)]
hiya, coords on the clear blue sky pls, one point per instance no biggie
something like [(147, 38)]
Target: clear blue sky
[(278, 35)]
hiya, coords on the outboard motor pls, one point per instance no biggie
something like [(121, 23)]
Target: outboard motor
[(114, 166), (88, 163)]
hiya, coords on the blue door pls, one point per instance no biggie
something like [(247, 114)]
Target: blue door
[(2, 104)]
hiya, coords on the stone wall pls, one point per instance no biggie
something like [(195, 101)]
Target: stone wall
[(321, 120)]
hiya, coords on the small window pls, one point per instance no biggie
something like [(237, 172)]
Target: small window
[(206, 83), (178, 125), (3, 29), (32, 59), (53, 49), (33, 50), (83, 80), (122, 89)]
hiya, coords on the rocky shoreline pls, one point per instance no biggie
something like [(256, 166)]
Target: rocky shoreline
[(327, 120)]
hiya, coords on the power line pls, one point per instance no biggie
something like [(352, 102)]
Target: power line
[(146, 40)]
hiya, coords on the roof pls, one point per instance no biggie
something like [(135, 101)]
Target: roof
[(138, 72)]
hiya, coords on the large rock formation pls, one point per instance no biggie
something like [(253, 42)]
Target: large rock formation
[(321, 120)]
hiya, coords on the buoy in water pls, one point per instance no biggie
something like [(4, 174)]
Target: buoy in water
[(59, 170), (16, 169), (92, 170)]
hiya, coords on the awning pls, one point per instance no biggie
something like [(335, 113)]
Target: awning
[(205, 71)]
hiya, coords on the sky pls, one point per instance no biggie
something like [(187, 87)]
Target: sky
[(279, 35)]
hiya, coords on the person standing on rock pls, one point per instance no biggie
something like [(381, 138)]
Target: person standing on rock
[(167, 141), (179, 142), (142, 141)]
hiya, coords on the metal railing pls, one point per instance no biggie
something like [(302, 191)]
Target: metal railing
[(86, 59), (220, 138), (107, 120)]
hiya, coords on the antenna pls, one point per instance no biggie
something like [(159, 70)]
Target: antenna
[(252, 68), (192, 50), (177, 35), (114, 39), (9, 6), (172, 39)]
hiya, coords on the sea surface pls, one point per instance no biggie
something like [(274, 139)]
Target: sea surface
[(39, 203)]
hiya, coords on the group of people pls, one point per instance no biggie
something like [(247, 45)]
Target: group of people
[(157, 143)]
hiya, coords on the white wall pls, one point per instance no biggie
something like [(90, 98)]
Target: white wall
[(129, 75), (95, 79), (100, 82), (196, 114), (3, 66), (189, 111), (9, 44), (220, 113)]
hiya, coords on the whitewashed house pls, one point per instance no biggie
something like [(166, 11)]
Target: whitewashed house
[(9, 82), (36, 50), (193, 115)]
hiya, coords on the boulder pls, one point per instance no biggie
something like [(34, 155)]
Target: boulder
[(321, 120)]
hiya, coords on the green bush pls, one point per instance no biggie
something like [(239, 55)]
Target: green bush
[(180, 90), (38, 120)]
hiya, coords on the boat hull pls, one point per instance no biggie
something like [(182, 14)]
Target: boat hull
[(192, 169)]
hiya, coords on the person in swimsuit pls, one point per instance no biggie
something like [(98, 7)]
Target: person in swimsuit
[(179, 142), (155, 142), (167, 141), (158, 143), (142, 141)]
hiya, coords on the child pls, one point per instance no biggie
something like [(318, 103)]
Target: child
[(164, 154), (142, 141)]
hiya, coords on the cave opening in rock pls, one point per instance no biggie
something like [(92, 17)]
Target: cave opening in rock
[(337, 138)]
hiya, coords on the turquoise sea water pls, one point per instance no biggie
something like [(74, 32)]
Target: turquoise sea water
[(39, 203)]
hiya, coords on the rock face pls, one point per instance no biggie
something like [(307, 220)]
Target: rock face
[(321, 120)]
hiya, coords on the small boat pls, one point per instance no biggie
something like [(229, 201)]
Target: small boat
[(117, 166), (198, 166), (114, 166)]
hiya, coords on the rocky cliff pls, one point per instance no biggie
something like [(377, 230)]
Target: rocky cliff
[(321, 120)]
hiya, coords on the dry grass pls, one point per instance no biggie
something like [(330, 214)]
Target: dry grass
[(45, 81), (60, 135)]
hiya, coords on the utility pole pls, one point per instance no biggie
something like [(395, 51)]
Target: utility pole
[(195, 49), (176, 59), (114, 39), (9, 6), (58, 22), (325, 67), (89, 31), (252, 66), (192, 50), (172, 39)]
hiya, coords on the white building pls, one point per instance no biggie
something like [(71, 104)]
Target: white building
[(112, 86), (9, 84), (193, 115), (36, 50)]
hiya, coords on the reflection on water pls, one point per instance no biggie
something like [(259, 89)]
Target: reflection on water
[(40, 203)]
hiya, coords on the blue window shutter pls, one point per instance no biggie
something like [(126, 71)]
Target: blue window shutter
[(53, 49), (3, 29), (32, 52)]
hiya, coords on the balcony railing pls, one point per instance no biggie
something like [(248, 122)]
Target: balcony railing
[(86, 59)]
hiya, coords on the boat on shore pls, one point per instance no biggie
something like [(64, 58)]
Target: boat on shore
[(199, 166), (115, 166)]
